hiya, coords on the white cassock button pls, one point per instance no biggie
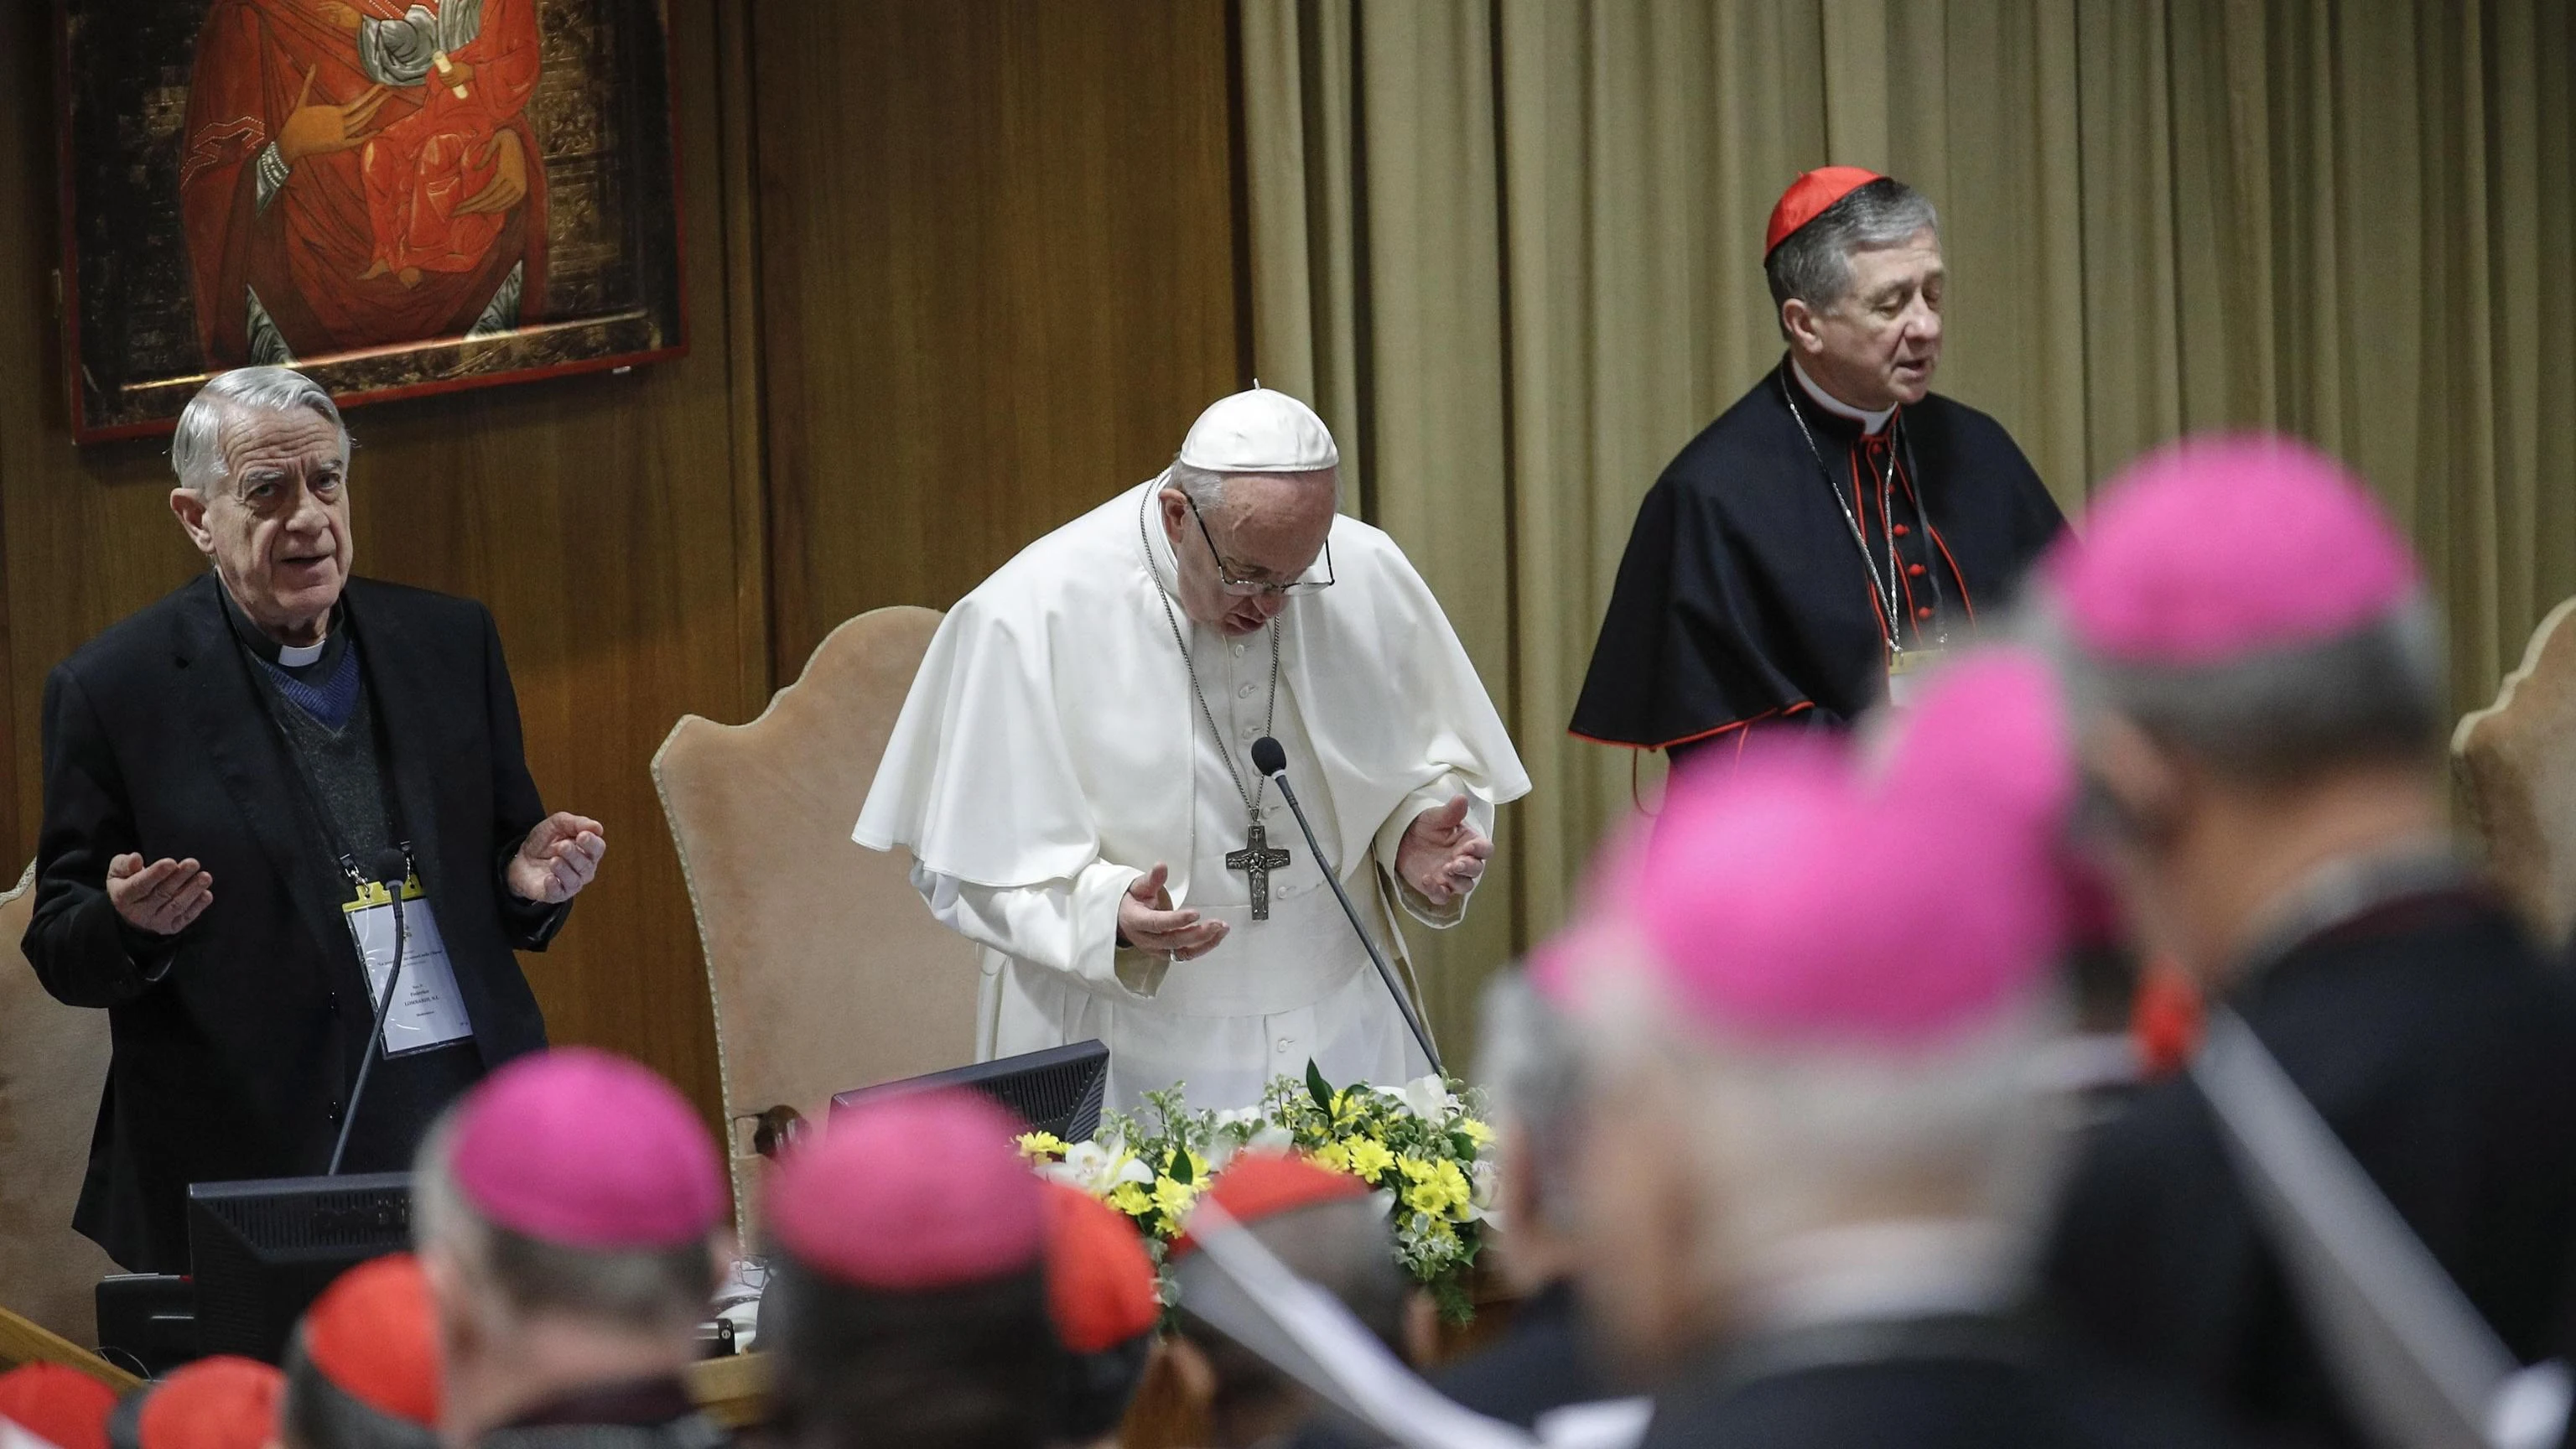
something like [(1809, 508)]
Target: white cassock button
[(1252, 732), (1283, 1046), (1244, 693), (1238, 651)]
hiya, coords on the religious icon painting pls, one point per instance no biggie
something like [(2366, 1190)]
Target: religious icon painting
[(397, 197)]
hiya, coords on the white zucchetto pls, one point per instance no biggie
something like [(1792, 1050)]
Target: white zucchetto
[(1260, 431)]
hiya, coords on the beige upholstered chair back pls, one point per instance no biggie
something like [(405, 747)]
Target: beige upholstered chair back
[(827, 970), (2516, 761), (53, 1060)]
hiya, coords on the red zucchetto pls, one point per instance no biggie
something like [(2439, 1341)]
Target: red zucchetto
[(1808, 196), (1259, 1185), (1100, 1284), (373, 1337), (63, 1407), (215, 1403)]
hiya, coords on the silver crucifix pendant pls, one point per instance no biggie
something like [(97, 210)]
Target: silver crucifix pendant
[(1257, 860)]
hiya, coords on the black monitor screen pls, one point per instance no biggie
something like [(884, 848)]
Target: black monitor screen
[(261, 1251), (1057, 1090)]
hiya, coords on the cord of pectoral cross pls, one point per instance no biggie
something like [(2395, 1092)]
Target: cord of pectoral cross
[(1252, 798)]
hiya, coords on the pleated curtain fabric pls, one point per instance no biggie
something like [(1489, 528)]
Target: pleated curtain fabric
[(1511, 249)]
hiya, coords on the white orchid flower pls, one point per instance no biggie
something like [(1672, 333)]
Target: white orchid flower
[(1098, 1169), (1428, 1098)]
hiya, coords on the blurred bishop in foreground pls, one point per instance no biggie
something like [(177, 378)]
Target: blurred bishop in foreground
[(1815, 1165), (1073, 772), (571, 1219), (908, 1307), (2261, 697)]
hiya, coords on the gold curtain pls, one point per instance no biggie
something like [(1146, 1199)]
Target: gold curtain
[(1511, 250)]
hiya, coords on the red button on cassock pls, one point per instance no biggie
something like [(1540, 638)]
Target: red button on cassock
[(1902, 530), (1915, 570), (1923, 613)]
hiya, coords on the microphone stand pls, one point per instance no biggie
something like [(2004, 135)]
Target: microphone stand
[(1385, 973), (394, 880)]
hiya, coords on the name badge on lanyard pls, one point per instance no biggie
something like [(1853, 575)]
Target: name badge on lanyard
[(1906, 671), (428, 1010)]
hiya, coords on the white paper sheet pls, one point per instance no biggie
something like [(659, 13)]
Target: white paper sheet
[(428, 1009)]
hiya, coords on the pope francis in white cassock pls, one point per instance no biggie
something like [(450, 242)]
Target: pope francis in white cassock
[(1073, 773)]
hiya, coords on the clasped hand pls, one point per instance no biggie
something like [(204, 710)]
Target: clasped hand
[(557, 859), (1147, 921), (1441, 855), (164, 898)]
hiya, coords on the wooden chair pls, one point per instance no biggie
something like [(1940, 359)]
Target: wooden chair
[(827, 970), (53, 1061), (2516, 763)]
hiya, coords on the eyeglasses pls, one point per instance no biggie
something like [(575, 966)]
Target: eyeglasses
[(1256, 588)]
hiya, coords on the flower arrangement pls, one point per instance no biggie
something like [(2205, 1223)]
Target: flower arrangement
[(1421, 1147)]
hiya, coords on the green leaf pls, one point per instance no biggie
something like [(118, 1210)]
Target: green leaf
[(1318, 1088), (1180, 1169)]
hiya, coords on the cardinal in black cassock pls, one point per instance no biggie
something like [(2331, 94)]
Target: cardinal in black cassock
[(2278, 832), (1840, 524)]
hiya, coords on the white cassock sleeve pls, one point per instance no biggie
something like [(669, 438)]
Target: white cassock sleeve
[(1064, 925), (1390, 841)]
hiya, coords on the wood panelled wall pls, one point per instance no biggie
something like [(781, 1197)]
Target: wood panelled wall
[(998, 270), (956, 272)]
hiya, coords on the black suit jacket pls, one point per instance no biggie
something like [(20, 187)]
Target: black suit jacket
[(2017, 1388), (236, 1041), (2441, 1048), (1542, 1362)]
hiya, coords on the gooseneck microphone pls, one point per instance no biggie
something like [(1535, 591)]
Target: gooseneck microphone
[(1272, 761), (388, 868)]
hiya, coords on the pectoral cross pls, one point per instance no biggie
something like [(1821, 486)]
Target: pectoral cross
[(1258, 860)]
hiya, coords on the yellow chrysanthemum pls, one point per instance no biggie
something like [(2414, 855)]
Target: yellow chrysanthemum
[(1438, 1188), (1174, 1198), (1333, 1156), (1369, 1157), (1041, 1146), (1477, 1132), (1131, 1198)]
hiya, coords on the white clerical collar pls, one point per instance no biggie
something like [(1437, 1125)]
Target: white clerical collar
[(1869, 422), (1904, 1269), (296, 656)]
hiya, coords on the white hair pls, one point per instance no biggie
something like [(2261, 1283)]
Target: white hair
[(1207, 489), (1526, 1052), (197, 447), (1784, 1142), (2374, 694)]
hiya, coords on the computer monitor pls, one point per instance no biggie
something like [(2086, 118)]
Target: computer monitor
[(1057, 1090), (262, 1251)]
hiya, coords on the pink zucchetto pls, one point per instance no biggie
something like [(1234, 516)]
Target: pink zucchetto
[(909, 1192), (2215, 548), (1990, 732), (1803, 901), (588, 1150)]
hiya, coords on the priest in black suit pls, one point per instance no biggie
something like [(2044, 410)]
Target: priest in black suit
[(220, 770), (1838, 527), (2264, 700)]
